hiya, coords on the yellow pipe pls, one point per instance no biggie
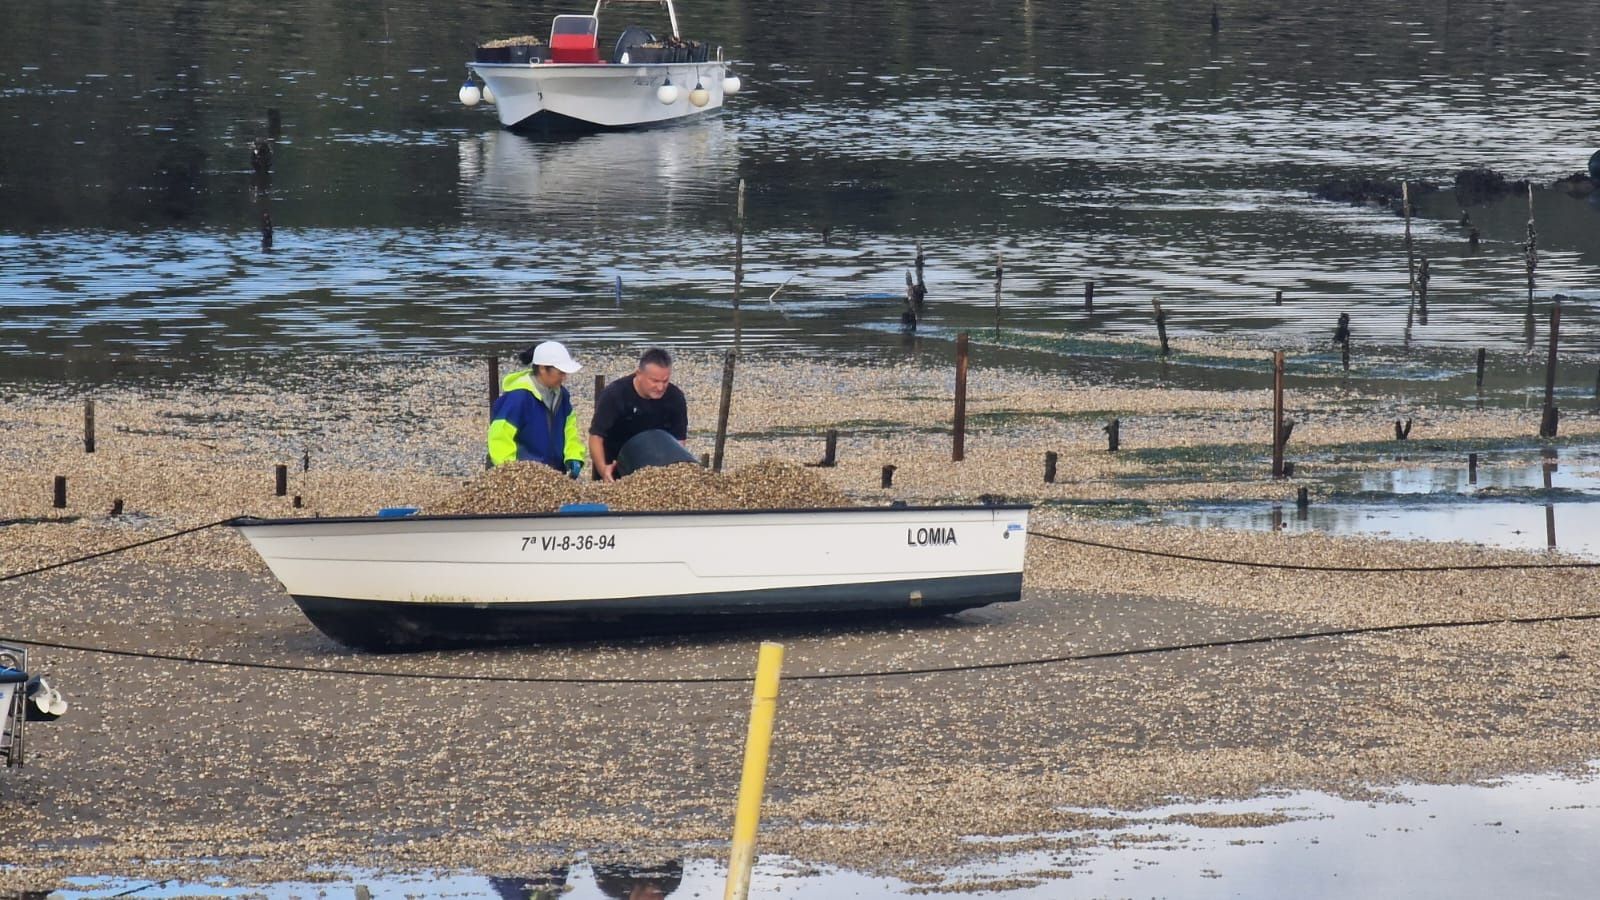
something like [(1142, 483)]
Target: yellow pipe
[(753, 784)]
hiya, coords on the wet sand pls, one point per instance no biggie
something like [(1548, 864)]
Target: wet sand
[(262, 774)]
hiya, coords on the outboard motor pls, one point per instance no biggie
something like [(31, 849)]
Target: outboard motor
[(651, 448), (631, 37)]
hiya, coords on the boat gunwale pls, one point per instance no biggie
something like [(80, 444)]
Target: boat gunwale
[(252, 521), (588, 66)]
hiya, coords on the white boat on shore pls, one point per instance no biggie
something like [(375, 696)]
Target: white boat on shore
[(392, 584), (572, 83)]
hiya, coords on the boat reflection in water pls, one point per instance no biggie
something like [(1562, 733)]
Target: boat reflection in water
[(622, 882), (668, 176)]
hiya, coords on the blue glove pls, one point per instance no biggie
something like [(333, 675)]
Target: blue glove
[(574, 468)]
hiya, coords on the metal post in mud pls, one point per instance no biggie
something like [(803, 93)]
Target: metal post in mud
[(753, 781), (1547, 425), (1482, 358), (60, 498), (1550, 525), (305, 460), (1472, 468), (999, 279), (959, 443), (494, 382), (88, 426), (886, 479), (1050, 467), (1277, 414), (738, 248), (830, 450), (1278, 300), (1088, 296), (280, 474), (722, 412)]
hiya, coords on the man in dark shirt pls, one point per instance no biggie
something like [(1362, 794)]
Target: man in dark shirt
[(628, 406)]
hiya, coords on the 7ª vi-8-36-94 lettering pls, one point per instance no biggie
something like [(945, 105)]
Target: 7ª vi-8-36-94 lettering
[(555, 543)]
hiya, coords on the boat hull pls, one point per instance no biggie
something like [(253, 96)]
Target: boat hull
[(415, 583), (589, 96)]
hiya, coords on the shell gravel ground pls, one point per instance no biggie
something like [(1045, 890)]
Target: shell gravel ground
[(179, 770)]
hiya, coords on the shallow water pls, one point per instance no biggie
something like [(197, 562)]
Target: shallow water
[(1121, 142), (1519, 500), (1528, 836)]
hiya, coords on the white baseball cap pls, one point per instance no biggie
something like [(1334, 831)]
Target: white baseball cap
[(551, 353)]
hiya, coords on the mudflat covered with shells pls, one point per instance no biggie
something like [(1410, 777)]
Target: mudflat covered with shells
[(178, 769)]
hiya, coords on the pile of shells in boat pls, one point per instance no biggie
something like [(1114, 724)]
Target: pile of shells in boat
[(526, 40), (528, 487)]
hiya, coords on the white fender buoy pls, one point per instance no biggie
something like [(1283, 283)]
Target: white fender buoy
[(731, 84), (667, 93), (699, 96), (488, 95), (469, 94)]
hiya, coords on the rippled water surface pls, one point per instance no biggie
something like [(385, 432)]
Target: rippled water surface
[(1121, 142)]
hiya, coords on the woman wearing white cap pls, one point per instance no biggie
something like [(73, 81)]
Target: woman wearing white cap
[(532, 418)]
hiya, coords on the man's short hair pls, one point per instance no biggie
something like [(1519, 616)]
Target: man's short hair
[(655, 356)]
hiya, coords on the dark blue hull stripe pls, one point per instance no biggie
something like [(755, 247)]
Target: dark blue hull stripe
[(390, 626)]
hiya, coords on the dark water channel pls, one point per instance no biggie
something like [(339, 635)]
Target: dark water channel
[(1122, 142)]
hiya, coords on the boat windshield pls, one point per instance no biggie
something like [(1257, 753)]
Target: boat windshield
[(575, 27)]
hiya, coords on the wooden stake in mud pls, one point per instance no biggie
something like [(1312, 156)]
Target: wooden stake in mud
[(60, 498), (88, 426), (1161, 323), (887, 478), (1050, 467), (1278, 300), (494, 381), (738, 248), (1472, 468), (1302, 498), (1531, 253), (922, 287), (958, 447), (830, 450), (1482, 358), (1277, 414), (1547, 426), (1113, 432), (1422, 291), (999, 279), (116, 507), (599, 385), (280, 476), (1411, 259), (1088, 296), (722, 412)]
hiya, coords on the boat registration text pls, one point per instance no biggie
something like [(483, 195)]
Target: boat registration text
[(566, 542)]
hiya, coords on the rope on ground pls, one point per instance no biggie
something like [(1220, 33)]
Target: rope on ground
[(824, 676), (155, 540), (1298, 567)]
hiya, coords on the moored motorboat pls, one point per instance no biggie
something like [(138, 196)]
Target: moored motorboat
[(414, 582), (572, 83)]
